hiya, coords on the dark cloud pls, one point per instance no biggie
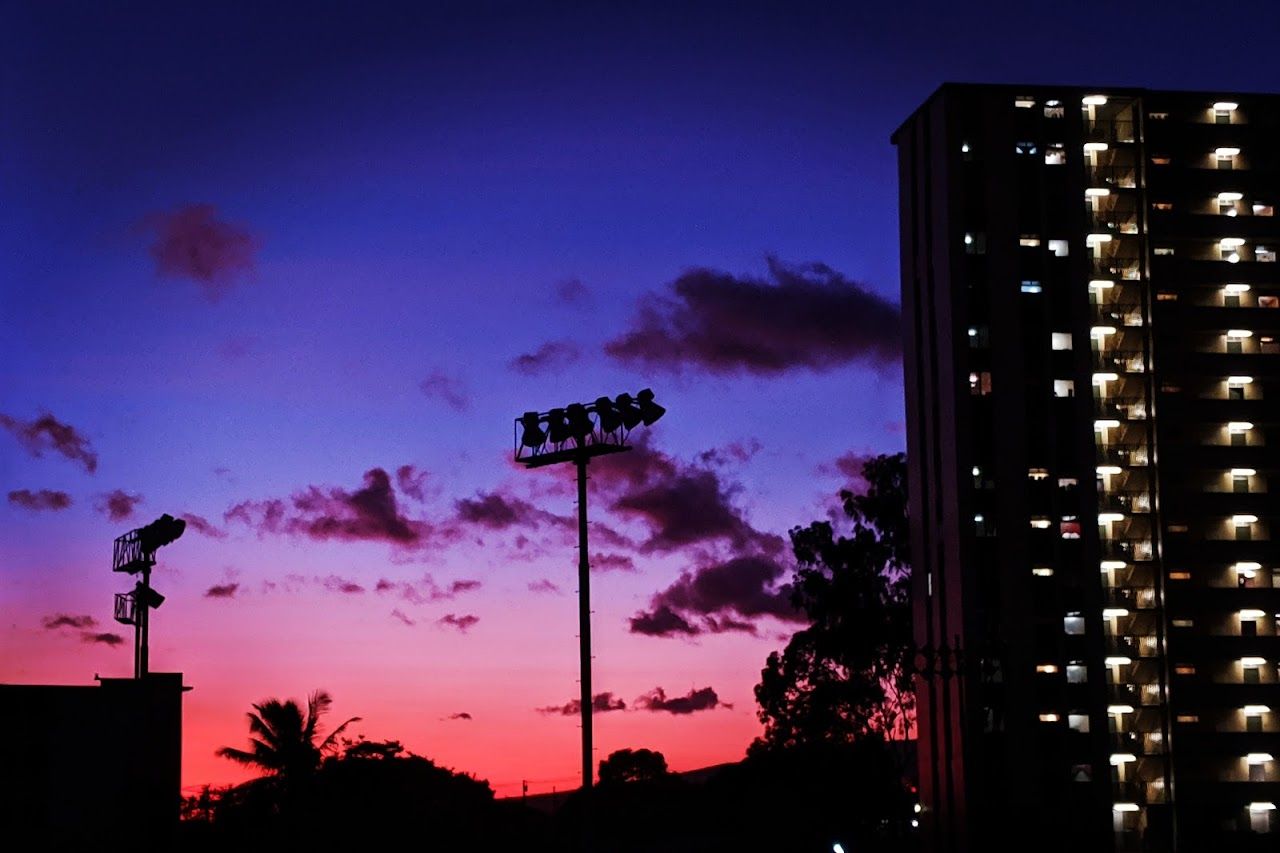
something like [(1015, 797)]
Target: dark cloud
[(192, 243), (681, 504), (401, 617), (601, 703), (447, 389), (612, 563), (412, 482), (704, 699), (461, 715), (719, 597), (333, 583), (543, 585), (66, 620), (463, 623), (548, 358), (48, 433), (572, 291), (692, 506), (849, 466), (740, 451), (368, 514), (105, 638), (426, 589), (800, 317), (40, 500), (222, 590), (661, 621), (496, 511), (203, 526), (118, 505)]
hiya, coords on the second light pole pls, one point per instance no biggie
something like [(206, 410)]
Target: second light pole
[(577, 433)]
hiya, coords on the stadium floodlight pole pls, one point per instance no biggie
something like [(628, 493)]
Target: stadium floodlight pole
[(135, 553), (578, 433)]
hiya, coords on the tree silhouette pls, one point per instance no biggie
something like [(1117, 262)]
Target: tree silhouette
[(283, 739), (846, 675), (632, 765)]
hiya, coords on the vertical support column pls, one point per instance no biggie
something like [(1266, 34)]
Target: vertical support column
[(142, 607), (584, 652)]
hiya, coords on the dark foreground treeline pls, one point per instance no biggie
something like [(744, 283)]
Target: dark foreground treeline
[(374, 797)]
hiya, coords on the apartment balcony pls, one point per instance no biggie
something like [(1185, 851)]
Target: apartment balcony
[(1130, 598), (1174, 225), (1126, 501), (1120, 360), (1185, 272), (1129, 549), (1126, 408), (1132, 454), (1119, 314), (1116, 177)]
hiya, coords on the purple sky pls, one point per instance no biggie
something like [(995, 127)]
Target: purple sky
[(264, 259)]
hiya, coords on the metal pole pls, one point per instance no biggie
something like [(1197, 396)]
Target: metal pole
[(584, 623), (144, 620)]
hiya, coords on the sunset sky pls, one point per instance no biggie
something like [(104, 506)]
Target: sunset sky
[(291, 274)]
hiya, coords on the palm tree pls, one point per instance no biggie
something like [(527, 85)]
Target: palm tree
[(283, 740)]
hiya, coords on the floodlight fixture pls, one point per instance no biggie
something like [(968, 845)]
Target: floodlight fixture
[(135, 553)]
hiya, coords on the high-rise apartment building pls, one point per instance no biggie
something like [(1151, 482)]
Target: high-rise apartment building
[(1091, 303)]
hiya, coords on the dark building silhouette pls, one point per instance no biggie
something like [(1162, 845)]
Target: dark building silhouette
[(1091, 302), (93, 765)]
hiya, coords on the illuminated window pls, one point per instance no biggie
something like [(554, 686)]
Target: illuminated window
[(1073, 624), (1161, 161), (1186, 719), (980, 384), (1163, 251), (1264, 255), (1180, 576), (1069, 527), (1038, 473), (1059, 248), (1024, 102), (1184, 623), (1050, 718), (1060, 340), (1184, 669), (1025, 148), (1031, 287), (1055, 154), (1163, 205), (1028, 241), (1047, 668), (975, 243), (1078, 723), (1263, 210), (1269, 301), (1077, 673), (1166, 297), (1054, 109)]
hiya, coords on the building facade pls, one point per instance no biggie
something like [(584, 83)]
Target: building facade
[(93, 766), (1091, 306)]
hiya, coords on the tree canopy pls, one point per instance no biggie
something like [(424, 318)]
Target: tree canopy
[(845, 676)]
